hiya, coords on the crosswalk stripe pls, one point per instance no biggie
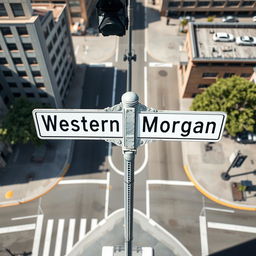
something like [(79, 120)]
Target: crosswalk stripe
[(48, 236), (18, 228), (37, 236), (59, 237), (82, 229), (94, 223), (71, 233)]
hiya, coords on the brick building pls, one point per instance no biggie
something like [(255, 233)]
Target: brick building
[(207, 60)]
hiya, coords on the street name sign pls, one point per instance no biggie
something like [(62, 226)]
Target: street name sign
[(101, 124)]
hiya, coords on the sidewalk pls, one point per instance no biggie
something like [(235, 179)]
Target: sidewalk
[(202, 167)]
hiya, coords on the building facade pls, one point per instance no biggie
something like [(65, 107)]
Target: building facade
[(36, 56), (208, 7), (79, 11), (207, 60)]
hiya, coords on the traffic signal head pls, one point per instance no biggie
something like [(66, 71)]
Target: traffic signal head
[(112, 17)]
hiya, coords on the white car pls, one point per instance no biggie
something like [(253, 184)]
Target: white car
[(223, 37), (254, 18), (246, 40), (230, 19)]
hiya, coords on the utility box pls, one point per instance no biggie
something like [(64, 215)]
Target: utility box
[(119, 251)]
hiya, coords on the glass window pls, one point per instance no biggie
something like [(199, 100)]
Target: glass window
[(203, 86), (50, 47), (30, 95), (12, 47), (58, 50), (1, 87), (43, 95), (28, 47), (204, 3), (54, 38), (210, 75), (22, 31), (174, 4), (76, 14), (16, 94), (7, 73), (51, 25), (32, 61), (56, 71), (12, 85), (36, 73), (59, 30), (74, 3), (26, 85), (226, 75), (6, 100), (2, 10), (248, 3), (190, 3), (53, 59), (232, 3), (3, 61), (17, 60), (22, 73), (39, 85), (6, 31), (218, 3), (17, 10), (46, 33)]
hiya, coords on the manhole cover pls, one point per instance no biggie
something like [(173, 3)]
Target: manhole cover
[(162, 73)]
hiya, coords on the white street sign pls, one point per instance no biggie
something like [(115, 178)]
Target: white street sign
[(179, 125), (77, 124)]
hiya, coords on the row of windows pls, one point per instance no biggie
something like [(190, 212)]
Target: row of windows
[(18, 61), (22, 30), (25, 85), (17, 10), (207, 3), (13, 47), (47, 29), (226, 75), (21, 73), (30, 94)]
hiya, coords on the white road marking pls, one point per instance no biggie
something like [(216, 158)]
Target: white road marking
[(160, 64), (97, 100), (94, 223), (48, 236), (170, 182), (25, 217), (146, 32), (71, 234), (147, 201), (232, 227), (203, 236), (76, 51), (18, 228), (37, 236), (145, 54), (219, 209), (59, 237), (103, 64), (82, 229), (107, 195), (117, 49), (89, 181), (114, 87)]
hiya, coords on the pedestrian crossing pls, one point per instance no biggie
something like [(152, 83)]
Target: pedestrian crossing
[(58, 236)]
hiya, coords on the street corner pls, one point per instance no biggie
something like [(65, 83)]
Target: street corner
[(205, 163)]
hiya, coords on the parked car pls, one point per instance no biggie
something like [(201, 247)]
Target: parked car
[(230, 19), (246, 137), (223, 37), (254, 18), (246, 40)]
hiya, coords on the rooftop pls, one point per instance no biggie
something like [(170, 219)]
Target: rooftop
[(204, 47), (42, 9)]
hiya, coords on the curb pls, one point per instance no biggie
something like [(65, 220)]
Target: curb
[(212, 197)]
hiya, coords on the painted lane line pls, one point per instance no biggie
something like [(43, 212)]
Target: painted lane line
[(107, 196), (170, 182), (117, 49), (145, 55), (82, 229), (97, 100), (114, 87), (91, 181), (25, 217), (48, 236), (18, 228), (104, 64), (76, 51), (94, 223), (232, 227), (147, 201), (59, 237), (203, 236), (160, 64), (37, 236), (219, 209), (71, 234)]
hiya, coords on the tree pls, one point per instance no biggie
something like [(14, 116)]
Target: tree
[(183, 23), (237, 97), (18, 125)]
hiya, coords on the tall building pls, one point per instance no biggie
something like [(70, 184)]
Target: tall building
[(79, 11), (208, 7), (36, 55), (208, 59)]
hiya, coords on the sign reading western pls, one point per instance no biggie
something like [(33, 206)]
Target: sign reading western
[(179, 125), (77, 124), (99, 124)]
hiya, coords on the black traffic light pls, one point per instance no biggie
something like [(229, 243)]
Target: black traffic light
[(113, 19), (239, 161)]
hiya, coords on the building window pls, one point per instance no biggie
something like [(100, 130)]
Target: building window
[(51, 25), (212, 75), (2, 10), (26, 85), (54, 38), (74, 3), (226, 75), (36, 73), (22, 31), (6, 100), (58, 50), (63, 22), (7, 73), (6, 31), (246, 75), (22, 73), (28, 47), (59, 30), (3, 61), (16, 94), (235, 64), (218, 3), (174, 4), (43, 95), (17, 60), (30, 95), (32, 61), (1, 87), (76, 14), (39, 85), (17, 10), (12, 85), (204, 3), (46, 33), (203, 86), (56, 71), (248, 3), (232, 3), (50, 47), (61, 42), (12, 47), (53, 59)]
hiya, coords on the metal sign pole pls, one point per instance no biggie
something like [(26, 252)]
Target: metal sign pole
[(130, 103)]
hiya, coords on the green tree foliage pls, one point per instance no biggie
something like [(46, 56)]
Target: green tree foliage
[(237, 97), (183, 24), (18, 125)]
